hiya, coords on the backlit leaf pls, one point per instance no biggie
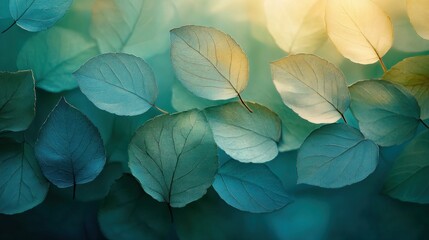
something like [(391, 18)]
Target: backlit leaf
[(174, 157), (418, 12), (336, 155), (312, 87)]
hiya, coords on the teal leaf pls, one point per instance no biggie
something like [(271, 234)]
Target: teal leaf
[(245, 136), (314, 88), (132, 26), (37, 15), (17, 100), (22, 185), (174, 157), (208, 62), (53, 56), (118, 83), (250, 187), (413, 74), (387, 113), (408, 178), (69, 147), (336, 155), (129, 213)]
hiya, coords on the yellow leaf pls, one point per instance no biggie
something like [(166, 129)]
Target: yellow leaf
[(361, 31), (418, 11)]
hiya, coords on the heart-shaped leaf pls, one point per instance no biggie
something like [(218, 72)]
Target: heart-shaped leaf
[(418, 12)]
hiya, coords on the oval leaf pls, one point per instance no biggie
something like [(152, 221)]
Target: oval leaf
[(118, 83), (17, 100), (360, 30), (250, 187), (69, 147), (334, 156), (208, 62), (408, 179), (174, 157), (132, 26), (302, 29), (129, 213), (418, 12), (387, 113), (22, 185), (53, 56), (245, 136), (413, 74), (38, 15), (312, 87)]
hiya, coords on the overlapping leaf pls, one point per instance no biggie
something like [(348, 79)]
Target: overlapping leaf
[(418, 12)]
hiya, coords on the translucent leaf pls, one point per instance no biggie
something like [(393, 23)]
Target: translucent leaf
[(22, 185), (336, 155), (408, 178), (53, 56), (17, 100), (69, 148), (208, 62), (118, 83), (174, 157), (37, 15), (250, 187), (138, 27), (360, 30), (418, 12), (245, 136), (312, 87), (297, 26), (413, 74), (129, 213), (387, 113)]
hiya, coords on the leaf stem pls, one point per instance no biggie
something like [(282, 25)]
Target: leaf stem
[(159, 109), (13, 24), (343, 117), (424, 124), (74, 186), (244, 104), (383, 66), (170, 210)]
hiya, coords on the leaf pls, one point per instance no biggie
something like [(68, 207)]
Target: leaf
[(302, 29), (174, 157), (418, 12), (132, 26), (17, 100), (208, 62), (128, 213), (413, 74), (312, 87), (53, 56), (245, 136), (387, 113), (118, 83), (334, 156), (361, 31), (250, 187), (69, 148), (407, 180), (37, 15), (22, 185)]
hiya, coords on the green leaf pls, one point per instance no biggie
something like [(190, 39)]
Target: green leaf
[(37, 15), (17, 100), (250, 187), (22, 185), (174, 157), (408, 178), (208, 62), (336, 155), (129, 213), (132, 26), (413, 74), (387, 113), (312, 87), (118, 83), (53, 56), (245, 136), (69, 148)]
